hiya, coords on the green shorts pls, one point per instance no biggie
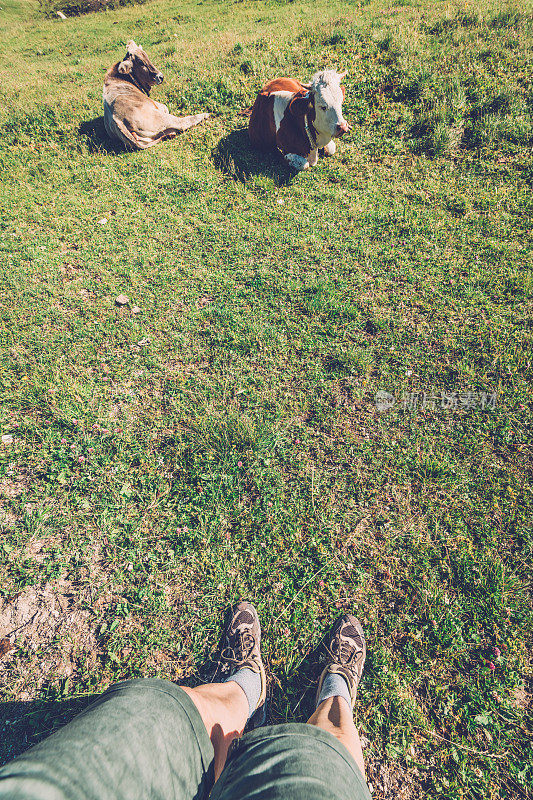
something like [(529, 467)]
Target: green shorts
[(144, 739)]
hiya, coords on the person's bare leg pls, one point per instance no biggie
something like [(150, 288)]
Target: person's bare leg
[(337, 686), (335, 715), (226, 706), (223, 708)]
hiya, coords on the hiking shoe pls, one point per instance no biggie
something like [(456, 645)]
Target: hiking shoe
[(241, 649), (346, 648)]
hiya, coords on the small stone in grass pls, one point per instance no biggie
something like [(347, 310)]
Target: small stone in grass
[(135, 310), (122, 300), (102, 221), (7, 438)]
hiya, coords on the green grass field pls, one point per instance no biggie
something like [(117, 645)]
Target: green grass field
[(225, 441)]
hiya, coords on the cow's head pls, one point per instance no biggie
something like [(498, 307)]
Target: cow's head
[(138, 66), (326, 96)]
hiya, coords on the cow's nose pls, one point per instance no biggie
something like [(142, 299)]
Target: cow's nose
[(342, 127)]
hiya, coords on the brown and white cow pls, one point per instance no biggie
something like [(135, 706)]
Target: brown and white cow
[(129, 112), (299, 119)]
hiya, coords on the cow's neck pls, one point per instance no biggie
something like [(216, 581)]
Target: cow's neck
[(310, 132), (138, 85)]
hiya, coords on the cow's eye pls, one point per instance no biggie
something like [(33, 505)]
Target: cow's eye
[(324, 108)]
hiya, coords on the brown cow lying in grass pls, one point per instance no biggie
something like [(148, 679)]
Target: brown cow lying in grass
[(129, 113), (299, 119)]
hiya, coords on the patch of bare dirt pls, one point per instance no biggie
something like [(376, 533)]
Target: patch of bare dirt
[(391, 782), (522, 698), (37, 548), (11, 488), (7, 519), (48, 621)]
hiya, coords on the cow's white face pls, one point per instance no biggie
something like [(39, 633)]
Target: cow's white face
[(328, 96)]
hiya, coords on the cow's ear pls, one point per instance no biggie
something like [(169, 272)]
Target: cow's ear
[(300, 104), (125, 66)]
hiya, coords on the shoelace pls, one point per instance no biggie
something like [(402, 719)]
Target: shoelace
[(240, 651), (346, 653)]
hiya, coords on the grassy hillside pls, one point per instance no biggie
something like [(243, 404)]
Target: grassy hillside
[(226, 441)]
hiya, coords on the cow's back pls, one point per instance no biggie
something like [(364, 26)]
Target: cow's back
[(261, 128), (263, 125), (282, 85), (126, 107)]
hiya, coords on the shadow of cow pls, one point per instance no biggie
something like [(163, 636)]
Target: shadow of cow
[(235, 157), (97, 138)]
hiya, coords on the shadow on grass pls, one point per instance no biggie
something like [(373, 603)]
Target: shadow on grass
[(23, 724), (26, 723), (235, 157), (97, 138), (293, 695)]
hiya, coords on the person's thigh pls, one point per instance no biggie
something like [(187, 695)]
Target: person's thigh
[(296, 761), (141, 739)]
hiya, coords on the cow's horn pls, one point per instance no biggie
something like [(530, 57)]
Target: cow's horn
[(132, 48), (342, 75)]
